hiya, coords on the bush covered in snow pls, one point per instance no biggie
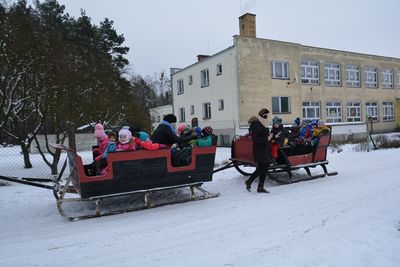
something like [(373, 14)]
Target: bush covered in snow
[(385, 141)]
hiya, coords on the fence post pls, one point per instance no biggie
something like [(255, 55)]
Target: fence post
[(71, 135)]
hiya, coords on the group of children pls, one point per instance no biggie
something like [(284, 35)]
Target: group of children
[(130, 139), (305, 133)]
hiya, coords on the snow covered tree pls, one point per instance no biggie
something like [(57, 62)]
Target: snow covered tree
[(58, 72), (21, 117)]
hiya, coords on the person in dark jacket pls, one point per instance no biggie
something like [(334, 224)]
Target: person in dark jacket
[(279, 134), (260, 134), (165, 132)]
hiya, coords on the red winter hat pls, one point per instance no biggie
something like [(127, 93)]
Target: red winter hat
[(181, 128)]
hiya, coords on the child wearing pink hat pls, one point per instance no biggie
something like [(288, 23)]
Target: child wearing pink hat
[(102, 140)]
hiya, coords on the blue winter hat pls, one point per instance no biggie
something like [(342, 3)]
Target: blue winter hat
[(314, 122), (143, 136), (197, 130), (297, 121)]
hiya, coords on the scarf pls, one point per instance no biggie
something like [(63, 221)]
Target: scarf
[(169, 125), (263, 121)]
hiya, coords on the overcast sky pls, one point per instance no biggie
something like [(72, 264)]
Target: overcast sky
[(171, 33)]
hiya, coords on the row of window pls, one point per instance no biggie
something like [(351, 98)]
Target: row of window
[(204, 79), (310, 74), (206, 110), (333, 109)]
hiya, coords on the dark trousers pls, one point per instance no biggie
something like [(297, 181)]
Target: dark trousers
[(261, 172), (98, 165)]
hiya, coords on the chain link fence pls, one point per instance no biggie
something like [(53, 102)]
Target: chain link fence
[(12, 159)]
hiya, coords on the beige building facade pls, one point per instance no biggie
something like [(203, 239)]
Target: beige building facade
[(290, 79)]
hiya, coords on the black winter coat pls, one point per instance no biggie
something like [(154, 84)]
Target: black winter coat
[(259, 135), (284, 133), (164, 135)]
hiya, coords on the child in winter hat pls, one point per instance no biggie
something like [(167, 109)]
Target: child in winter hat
[(125, 141), (99, 132), (296, 121), (187, 131), (102, 140), (181, 128), (277, 121), (279, 135), (197, 130), (207, 131)]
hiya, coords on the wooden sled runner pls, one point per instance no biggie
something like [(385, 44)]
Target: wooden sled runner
[(139, 174)]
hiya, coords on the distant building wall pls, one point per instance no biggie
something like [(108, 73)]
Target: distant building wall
[(158, 113)]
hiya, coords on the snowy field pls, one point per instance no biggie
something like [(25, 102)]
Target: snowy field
[(352, 219)]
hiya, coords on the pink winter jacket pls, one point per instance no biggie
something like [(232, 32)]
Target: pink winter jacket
[(126, 146), (102, 147)]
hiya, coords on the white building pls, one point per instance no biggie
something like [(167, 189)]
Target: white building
[(158, 113)]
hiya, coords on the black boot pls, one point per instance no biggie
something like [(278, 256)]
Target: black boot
[(262, 190), (248, 183)]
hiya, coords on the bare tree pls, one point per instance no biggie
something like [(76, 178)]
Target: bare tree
[(161, 86)]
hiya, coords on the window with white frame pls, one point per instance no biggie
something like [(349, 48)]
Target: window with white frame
[(182, 115), (332, 74), (353, 75), (280, 104), (309, 72), (221, 104), (219, 69), (371, 77), (206, 110), (398, 79), (333, 111), (190, 79), (388, 111), (311, 110), (191, 109), (205, 80), (353, 111), (371, 110), (180, 87), (280, 70), (387, 78)]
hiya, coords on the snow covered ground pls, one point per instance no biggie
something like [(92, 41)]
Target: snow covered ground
[(352, 219)]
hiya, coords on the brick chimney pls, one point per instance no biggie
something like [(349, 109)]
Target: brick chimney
[(247, 25), (201, 57)]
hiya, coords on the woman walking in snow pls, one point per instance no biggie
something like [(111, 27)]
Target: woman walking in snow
[(260, 134)]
